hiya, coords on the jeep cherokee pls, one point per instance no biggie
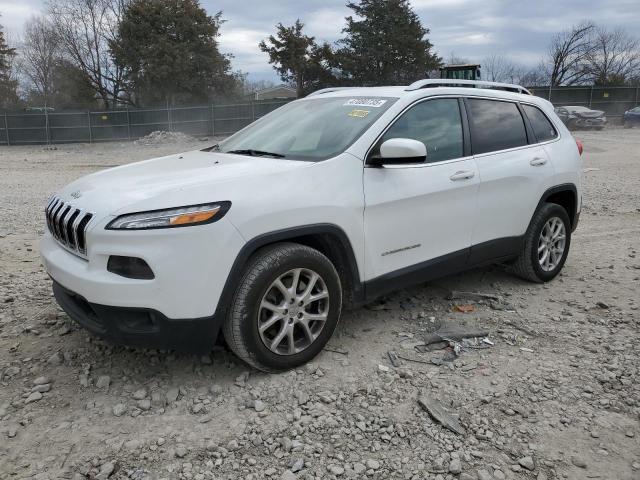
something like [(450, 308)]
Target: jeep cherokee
[(328, 201)]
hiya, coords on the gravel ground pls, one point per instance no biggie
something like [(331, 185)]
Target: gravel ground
[(557, 395)]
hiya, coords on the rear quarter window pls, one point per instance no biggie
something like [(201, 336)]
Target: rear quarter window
[(541, 125), (495, 125)]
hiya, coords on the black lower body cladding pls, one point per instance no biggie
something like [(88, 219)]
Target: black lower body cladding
[(139, 327)]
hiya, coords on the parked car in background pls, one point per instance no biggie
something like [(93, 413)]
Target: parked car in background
[(631, 117), (575, 117)]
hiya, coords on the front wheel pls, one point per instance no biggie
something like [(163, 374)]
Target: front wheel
[(285, 308), (546, 245)]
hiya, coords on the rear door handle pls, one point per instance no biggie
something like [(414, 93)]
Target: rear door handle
[(538, 162), (462, 175)]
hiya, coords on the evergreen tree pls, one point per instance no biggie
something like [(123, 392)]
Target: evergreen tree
[(8, 85), (298, 59), (169, 51), (385, 44)]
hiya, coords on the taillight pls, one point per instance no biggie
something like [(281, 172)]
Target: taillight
[(580, 146)]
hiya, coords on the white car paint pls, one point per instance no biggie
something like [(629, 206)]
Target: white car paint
[(440, 207)]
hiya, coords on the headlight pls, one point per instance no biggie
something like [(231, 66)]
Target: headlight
[(171, 217)]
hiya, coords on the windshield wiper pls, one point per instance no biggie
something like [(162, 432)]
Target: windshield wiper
[(256, 153)]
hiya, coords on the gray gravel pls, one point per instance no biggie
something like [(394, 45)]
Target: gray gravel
[(556, 396)]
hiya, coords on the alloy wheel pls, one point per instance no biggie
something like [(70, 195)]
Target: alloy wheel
[(293, 311), (551, 244)]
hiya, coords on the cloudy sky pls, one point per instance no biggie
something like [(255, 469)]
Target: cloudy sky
[(474, 29)]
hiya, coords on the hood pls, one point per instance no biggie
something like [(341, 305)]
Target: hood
[(177, 180)]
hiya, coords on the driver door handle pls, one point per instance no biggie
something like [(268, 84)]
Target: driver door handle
[(462, 175), (538, 162)]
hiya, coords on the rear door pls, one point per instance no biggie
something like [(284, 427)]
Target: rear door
[(514, 170)]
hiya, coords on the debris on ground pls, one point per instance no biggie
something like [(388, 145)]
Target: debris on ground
[(459, 295), (464, 308), (440, 415), (453, 333), (393, 358)]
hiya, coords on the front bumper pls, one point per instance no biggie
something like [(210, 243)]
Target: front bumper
[(139, 327), (190, 267)]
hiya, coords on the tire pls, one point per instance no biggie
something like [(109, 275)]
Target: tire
[(572, 124), (528, 265), (259, 283)]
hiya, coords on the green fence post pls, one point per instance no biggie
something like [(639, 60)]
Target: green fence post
[(549, 96), (253, 111), (590, 97), (213, 121), (46, 126), (6, 130), (169, 117), (90, 131), (128, 125), (637, 88)]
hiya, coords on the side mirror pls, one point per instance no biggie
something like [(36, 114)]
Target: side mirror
[(400, 150)]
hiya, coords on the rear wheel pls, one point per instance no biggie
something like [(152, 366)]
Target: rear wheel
[(285, 308), (546, 245)]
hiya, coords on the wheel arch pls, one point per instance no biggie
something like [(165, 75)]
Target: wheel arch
[(329, 239), (565, 195)]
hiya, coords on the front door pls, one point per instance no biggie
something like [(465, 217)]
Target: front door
[(417, 214)]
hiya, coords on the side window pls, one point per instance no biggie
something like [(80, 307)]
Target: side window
[(495, 125), (541, 125), (436, 123)]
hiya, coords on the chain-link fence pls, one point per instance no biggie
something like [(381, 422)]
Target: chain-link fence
[(73, 127), (225, 119), (614, 101)]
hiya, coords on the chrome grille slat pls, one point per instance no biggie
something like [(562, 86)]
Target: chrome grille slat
[(49, 209), (75, 226), (54, 219), (71, 237), (62, 226), (68, 225)]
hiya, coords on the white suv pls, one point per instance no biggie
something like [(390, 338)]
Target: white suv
[(329, 201)]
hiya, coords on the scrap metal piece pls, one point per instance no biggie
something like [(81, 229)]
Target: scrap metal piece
[(440, 415)]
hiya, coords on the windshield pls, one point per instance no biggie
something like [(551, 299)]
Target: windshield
[(313, 129)]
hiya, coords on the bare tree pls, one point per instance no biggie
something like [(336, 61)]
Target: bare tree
[(84, 29), (455, 59), (40, 55), (534, 77), (614, 58), (498, 68), (568, 52)]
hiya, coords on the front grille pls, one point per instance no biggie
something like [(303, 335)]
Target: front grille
[(68, 225)]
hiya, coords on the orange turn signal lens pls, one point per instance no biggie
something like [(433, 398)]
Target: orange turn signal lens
[(196, 217)]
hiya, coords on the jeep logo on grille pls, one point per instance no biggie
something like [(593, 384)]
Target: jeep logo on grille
[(76, 194)]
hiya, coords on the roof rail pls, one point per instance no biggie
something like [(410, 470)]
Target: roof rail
[(451, 82), (327, 90)]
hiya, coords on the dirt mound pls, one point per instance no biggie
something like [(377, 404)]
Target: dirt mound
[(160, 137)]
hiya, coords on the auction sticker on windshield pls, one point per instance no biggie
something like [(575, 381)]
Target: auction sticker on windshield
[(365, 102), (358, 113)]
